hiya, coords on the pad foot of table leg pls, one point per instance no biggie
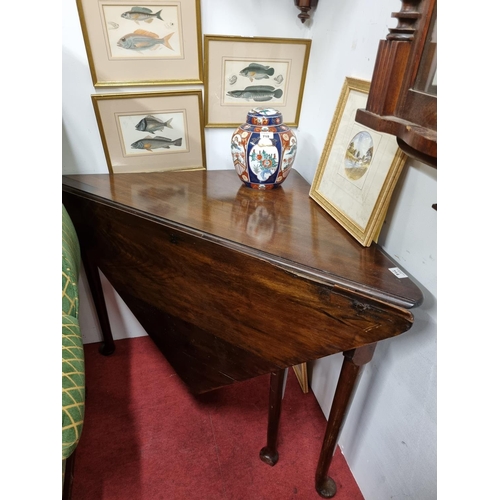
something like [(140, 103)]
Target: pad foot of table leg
[(106, 349), (327, 489), (268, 456)]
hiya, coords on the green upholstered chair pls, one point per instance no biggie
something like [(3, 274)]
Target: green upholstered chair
[(73, 367)]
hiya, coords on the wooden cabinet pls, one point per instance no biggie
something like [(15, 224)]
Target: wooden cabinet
[(403, 92)]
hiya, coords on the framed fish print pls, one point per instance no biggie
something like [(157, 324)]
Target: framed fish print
[(358, 168), (151, 132), (242, 73), (142, 43)]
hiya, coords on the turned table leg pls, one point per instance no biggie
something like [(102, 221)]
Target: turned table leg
[(346, 387), (269, 454), (92, 272)]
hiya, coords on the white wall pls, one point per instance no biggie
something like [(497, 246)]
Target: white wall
[(390, 437)]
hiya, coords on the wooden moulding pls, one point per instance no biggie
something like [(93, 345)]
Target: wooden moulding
[(305, 6), (384, 94), (301, 374), (394, 106)]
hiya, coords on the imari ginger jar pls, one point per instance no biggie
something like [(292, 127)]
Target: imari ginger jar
[(263, 149)]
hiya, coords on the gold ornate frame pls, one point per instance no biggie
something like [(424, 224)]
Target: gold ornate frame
[(176, 61), (225, 56), (175, 141), (359, 204)]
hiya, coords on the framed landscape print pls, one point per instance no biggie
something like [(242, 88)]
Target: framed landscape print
[(244, 73), (151, 132), (142, 42), (358, 168)]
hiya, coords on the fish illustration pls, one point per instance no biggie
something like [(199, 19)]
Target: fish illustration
[(152, 124), (256, 92), (112, 25), (141, 14), (141, 39), (257, 71), (157, 142)]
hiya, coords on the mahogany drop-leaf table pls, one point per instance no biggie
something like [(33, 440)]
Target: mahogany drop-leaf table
[(232, 283)]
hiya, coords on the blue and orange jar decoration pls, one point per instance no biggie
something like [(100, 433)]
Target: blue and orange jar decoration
[(263, 149)]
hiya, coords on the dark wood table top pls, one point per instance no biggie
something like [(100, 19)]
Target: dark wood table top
[(283, 226)]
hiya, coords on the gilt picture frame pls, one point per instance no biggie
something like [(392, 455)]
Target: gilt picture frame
[(151, 132), (241, 73), (142, 43), (358, 168)]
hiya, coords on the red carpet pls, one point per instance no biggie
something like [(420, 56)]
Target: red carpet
[(146, 438)]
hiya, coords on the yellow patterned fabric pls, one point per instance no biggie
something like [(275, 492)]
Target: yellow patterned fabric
[(73, 366)]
